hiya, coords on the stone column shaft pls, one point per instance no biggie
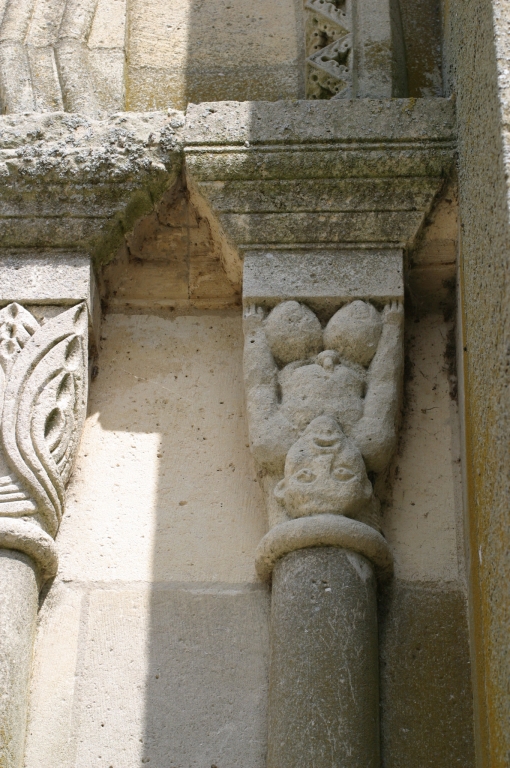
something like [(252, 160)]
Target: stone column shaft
[(18, 613), (324, 681)]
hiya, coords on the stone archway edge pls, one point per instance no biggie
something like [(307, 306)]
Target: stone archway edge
[(323, 531)]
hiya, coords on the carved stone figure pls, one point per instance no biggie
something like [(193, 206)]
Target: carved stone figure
[(322, 407), (323, 403), (43, 390), (324, 473)]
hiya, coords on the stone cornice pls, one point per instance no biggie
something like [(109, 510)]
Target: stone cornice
[(70, 182)]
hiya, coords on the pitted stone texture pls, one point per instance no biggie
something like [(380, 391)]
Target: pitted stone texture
[(482, 87), (324, 474), (52, 741), (324, 280), (44, 395), (292, 122), (173, 258), (293, 332), (51, 279), (426, 693), (164, 486), (73, 183), (184, 666), (324, 681), (285, 400), (18, 612), (279, 182), (323, 531), (62, 55), (190, 51)]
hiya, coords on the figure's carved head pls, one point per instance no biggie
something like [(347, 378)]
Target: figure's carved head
[(354, 332), (293, 332), (324, 473)]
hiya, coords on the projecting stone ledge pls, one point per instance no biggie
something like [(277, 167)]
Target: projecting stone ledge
[(288, 175), (74, 183), (313, 176)]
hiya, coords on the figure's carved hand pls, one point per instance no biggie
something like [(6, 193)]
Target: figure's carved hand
[(393, 313), (252, 318)]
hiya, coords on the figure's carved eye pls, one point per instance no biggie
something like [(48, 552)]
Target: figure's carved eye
[(305, 476), (341, 473)]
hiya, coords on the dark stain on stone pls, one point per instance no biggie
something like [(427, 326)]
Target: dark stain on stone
[(421, 22)]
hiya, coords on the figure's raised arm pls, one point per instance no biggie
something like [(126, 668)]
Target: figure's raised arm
[(271, 434), (259, 364), (376, 431)]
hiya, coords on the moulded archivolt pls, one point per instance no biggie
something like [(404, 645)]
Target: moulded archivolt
[(53, 57)]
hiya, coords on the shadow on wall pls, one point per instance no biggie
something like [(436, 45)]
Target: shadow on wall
[(185, 685)]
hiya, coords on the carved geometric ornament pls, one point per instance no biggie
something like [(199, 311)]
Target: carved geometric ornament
[(43, 391), (329, 49)]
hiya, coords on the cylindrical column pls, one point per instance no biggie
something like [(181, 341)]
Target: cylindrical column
[(19, 593), (324, 680)]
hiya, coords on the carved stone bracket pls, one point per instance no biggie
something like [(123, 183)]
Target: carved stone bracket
[(44, 350), (323, 400), (323, 396)]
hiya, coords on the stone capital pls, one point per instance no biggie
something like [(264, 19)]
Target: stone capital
[(47, 305)]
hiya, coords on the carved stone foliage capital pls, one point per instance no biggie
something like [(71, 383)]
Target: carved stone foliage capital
[(322, 401), (43, 392)]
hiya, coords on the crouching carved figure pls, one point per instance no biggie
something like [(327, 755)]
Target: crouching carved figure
[(322, 407)]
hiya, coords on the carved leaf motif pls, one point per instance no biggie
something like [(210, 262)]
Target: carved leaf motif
[(17, 325), (44, 409)]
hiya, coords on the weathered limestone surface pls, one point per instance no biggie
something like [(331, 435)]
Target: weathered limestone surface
[(156, 550), (98, 56), (108, 536), (483, 98), (314, 176), (102, 176), (426, 693), (62, 55), (324, 690), (18, 612), (220, 50), (72, 183), (172, 259), (322, 279), (43, 394)]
